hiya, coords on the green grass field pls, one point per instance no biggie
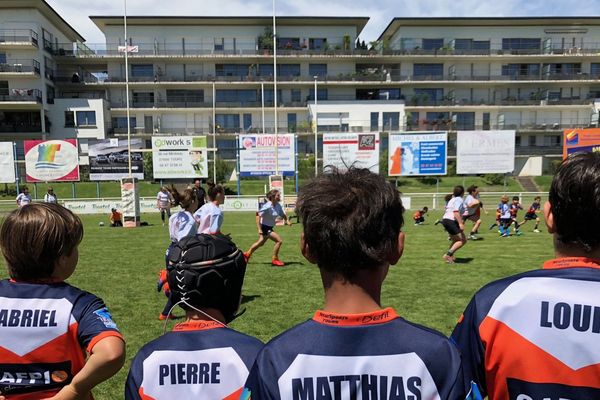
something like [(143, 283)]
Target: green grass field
[(120, 265)]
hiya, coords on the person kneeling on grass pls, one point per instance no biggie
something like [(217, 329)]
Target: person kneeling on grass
[(535, 335), (52, 324), (354, 348), (201, 358), (116, 218), (265, 221), (419, 216)]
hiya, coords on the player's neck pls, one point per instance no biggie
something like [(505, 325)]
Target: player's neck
[(361, 296), (562, 251), (194, 315)]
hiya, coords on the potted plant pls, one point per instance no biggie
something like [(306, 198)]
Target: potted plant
[(346, 42)]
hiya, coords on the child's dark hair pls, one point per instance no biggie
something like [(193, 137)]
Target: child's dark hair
[(516, 198), (33, 238), (271, 194), (183, 199), (425, 209), (351, 220), (458, 191), (471, 189), (575, 200), (538, 198), (448, 197), (213, 192)]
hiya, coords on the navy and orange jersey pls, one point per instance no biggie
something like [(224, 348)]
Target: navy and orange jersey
[(533, 208), (197, 360), (514, 209), (535, 335), (45, 331), (363, 356)]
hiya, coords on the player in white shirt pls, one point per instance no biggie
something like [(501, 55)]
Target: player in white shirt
[(265, 222), (472, 210), (210, 217), (163, 203), (24, 198), (454, 224)]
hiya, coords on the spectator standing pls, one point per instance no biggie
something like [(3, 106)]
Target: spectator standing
[(50, 196)]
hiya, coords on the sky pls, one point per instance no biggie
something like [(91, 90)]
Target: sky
[(380, 12)]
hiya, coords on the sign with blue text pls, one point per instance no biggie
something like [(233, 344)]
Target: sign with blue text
[(418, 153)]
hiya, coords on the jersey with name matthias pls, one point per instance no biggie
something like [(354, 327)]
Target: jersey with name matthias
[(364, 356), (45, 331), (535, 335), (198, 360)]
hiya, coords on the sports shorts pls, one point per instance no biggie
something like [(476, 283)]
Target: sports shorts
[(530, 216), (266, 229), (451, 226), (472, 217)]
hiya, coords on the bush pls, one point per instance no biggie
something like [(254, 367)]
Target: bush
[(306, 167), (224, 170), (493, 179)]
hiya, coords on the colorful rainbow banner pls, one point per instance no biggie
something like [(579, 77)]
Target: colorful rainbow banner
[(51, 160)]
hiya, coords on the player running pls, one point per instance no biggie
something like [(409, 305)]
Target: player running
[(514, 209), (163, 203), (472, 210), (532, 214), (454, 224)]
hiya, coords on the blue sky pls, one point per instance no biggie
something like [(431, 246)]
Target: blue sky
[(380, 11)]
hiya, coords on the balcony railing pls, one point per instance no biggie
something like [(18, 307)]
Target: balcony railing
[(500, 102), (20, 66), (19, 127), (18, 36), (18, 95)]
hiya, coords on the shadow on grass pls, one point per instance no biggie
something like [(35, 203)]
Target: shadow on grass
[(287, 264), (465, 260), (247, 298)]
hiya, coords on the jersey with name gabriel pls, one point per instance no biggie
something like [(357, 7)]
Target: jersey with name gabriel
[(197, 360), (363, 356), (45, 331), (535, 336)]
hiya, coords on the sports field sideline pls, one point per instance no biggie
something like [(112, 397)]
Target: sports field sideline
[(121, 265)]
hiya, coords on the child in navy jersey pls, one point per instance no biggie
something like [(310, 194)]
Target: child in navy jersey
[(201, 358), (55, 339), (354, 348)]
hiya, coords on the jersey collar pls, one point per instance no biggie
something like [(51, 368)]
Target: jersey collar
[(372, 318), (198, 325), (572, 262)]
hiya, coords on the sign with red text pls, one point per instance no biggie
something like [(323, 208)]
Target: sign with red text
[(581, 140), (258, 155), (343, 150)]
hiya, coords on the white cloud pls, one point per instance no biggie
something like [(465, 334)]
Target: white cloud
[(380, 11)]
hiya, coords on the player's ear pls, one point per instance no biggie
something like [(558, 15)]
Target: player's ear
[(397, 252), (549, 217), (306, 251)]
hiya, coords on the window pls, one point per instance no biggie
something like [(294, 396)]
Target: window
[(429, 70), (3, 88), (552, 140), (563, 69), (531, 141), (288, 69), (595, 69), (227, 122), (247, 122), (516, 70), (374, 121), (486, 121), (86, 118), (142, 70), (521, 44), (48, 68), (2, 58), (429, 94), (232, 70), (413, 118), (69, 119), (291, 122), (319, 70), (237, 95), (219, 44), (432, 44), (321, 94), (288, 43), (465, 121), (186, 96), (391, 121), (470, 44), (50, 94), (47, 38), (143, 99), (296, 95), (121, 122), (317, 43)]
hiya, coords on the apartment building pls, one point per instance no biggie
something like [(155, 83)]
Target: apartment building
[(215, 76)]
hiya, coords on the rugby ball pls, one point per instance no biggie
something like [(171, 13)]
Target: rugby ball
[(101, 223)]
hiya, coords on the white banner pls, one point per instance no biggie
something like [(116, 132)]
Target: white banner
[(179, 157), (257, 155), (342, 150), (240, 204), (485, 152), (7, 163), (104, 207)]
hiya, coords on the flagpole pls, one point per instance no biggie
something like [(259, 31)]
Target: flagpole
[(127, 90)]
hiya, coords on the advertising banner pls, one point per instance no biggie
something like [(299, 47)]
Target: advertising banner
[(7, 163), (51, 160), (485, 152), (342, 150), (109, 159), (178, 157), (417, 153), (240, 204), (104, 206), (257, 155), (581, 140)]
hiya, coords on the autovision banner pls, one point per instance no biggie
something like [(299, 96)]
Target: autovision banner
[(7, 163), (417, 154), (51, 160), (109, 159), (343, 150), (257, 155), (178, 157)]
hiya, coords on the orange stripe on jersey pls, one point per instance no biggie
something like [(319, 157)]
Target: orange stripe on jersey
[(144, 396), (510, 355), (372, 318), (461, 318), (198, 325), (235, 395), (101, 336), (572, 262)]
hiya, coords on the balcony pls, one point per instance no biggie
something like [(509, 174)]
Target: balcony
[(18, 37), (18, 127), (509, 101), (28, 66), (22, 95)]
